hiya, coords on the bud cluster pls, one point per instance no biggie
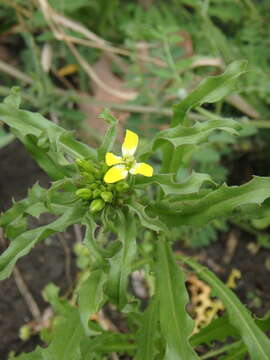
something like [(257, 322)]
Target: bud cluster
[(93, 190)]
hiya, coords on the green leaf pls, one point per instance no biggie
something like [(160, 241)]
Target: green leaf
[(147, 333), (91, 296), (210, 90), (23, 243), (90, 241), (107, 343), (190, 185), (181, 135), (14, 99), (256, 341), (60, 305), (47, 142), (147, 221), (121, 263), (218, 330), (216, 203), (68, 333), (36, 196), (176, 325), (238, 352), (110, 135)]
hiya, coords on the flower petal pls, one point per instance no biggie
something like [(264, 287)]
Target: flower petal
[(130, 143), (112, 159), (142, 168), (115, 173)]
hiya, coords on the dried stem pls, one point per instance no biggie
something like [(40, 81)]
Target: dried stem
[(25, 292)]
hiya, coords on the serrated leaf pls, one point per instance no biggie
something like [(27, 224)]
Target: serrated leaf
[(60, 305), (190, 185), (14, 220), (36, 194), (210, 90), (46, 141), (91, 296), (175, 323), (147, 221), (23, 243), (256, 341), (214, 204)]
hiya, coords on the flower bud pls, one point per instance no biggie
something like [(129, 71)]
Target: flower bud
[(88, 177), (85, 165), (43, 142), (81, 250), (25, 332), (84, 193), (97, 205), (122, 186), (107, 196), (96, 193), (98, 174)]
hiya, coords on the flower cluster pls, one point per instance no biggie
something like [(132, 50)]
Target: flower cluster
[(93, 190), (100, 185)]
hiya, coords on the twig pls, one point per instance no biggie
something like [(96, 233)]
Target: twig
[(12, 71), (111, 49), (48, 14), (78, 232), (24, 291), (125, 95)]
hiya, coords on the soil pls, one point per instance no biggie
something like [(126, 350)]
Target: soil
[(47, 261)]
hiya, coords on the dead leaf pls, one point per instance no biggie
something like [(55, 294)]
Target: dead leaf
[(104, 72)]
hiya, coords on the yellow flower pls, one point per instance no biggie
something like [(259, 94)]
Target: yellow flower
[(121, 166)]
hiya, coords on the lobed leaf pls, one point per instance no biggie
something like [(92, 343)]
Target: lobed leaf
[(46, 141), (191, 184), (216, 203), (151, 223), (23, 243)]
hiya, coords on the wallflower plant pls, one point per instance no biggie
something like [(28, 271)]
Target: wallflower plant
[(129, 222)]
